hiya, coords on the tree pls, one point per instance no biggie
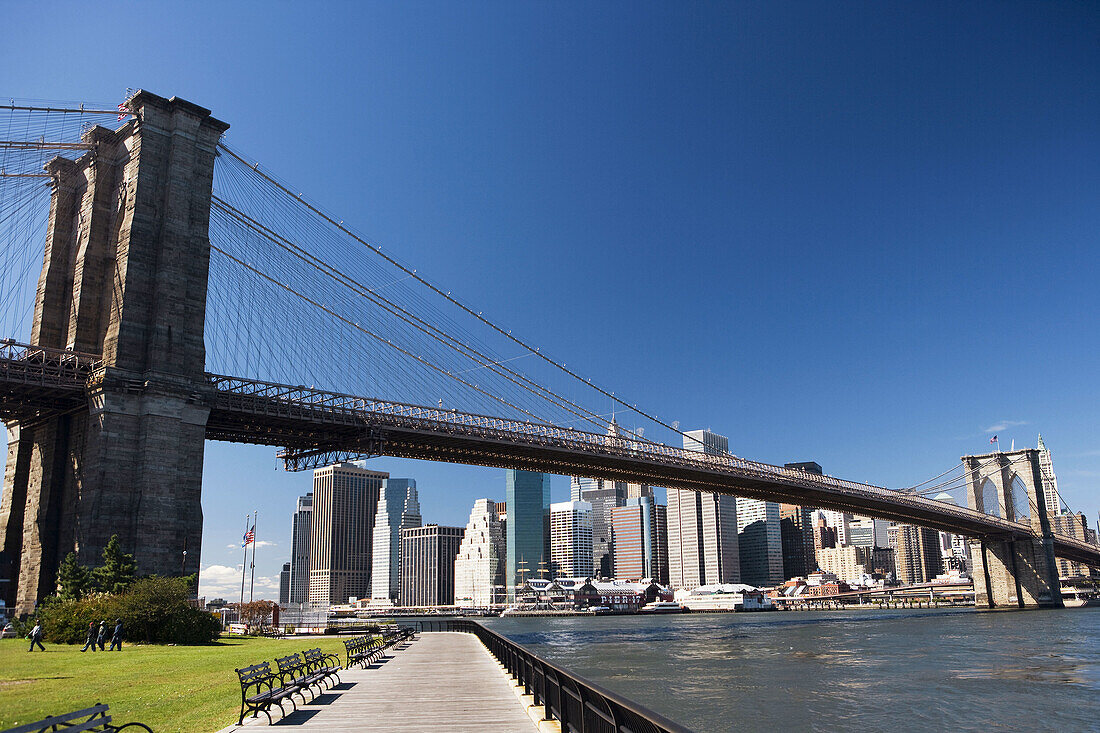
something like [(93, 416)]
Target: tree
[(117, 571), (73, 579), (256, 613)]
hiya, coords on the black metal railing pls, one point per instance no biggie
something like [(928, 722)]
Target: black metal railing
[(578, 705)]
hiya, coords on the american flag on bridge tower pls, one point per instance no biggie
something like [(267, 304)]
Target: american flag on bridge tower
[(993, 439), (123, 111)]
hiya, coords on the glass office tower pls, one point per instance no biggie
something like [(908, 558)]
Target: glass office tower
[(527, 528)]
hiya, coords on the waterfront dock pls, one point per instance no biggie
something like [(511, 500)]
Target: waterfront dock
[(439, 681)]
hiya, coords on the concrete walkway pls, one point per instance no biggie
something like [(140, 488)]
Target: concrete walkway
[(439, 681)]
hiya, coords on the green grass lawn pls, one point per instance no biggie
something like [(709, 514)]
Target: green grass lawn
[(192, 689)]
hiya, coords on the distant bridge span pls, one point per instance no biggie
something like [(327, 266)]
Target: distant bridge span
[(315, 428)]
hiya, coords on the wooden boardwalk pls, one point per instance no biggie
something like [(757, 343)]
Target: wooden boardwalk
[(439, 681)]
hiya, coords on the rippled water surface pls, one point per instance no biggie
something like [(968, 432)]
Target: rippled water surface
[(867, 671)]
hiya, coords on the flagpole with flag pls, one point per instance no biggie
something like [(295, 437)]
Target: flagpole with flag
[(998, 442), (244, 561), (252, 586)]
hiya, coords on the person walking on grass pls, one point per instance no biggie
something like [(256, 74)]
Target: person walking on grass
[(116, 637), (91, 640), (36, 636), (101, 637)]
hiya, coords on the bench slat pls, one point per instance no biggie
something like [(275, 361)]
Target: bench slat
[(58, 720), (90, 724)]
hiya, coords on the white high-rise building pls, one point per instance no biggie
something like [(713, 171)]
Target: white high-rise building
[(1050, 481), (479, 567), (759, 542), (398, 509), (702, 527), (571, 539)]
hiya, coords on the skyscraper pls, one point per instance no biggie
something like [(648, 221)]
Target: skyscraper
[(759, 542), (796, 527), (640, 549), (345, 498), (428, 565), (661, 567), (702, 527), (797, 534), (824, 535), (603, 495), (868, 532), (527, 528), (578, 484), (917, 557), (300, 524), (1050, 481), (571, 539), (398, 509), (479, 566), (284, 585), (839, 521), (1076, 526)]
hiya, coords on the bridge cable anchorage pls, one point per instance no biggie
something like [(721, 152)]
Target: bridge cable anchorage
[(484, 361), (439, 292)]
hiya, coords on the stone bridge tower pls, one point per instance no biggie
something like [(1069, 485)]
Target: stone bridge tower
[(1012, 571), (124, 276)]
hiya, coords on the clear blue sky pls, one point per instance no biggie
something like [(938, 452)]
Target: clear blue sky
[(862, 234)]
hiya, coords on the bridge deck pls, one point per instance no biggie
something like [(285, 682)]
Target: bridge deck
[(439, 681)]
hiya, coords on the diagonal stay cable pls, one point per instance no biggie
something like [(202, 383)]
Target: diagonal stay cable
[(412, 273), (373, 335), (484, 360)]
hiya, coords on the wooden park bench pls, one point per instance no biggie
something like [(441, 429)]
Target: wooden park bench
[(95, 719), (260, 689), (326, 664), (295, 674)]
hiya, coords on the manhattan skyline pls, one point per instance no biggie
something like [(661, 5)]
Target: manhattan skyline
[(853, 238)]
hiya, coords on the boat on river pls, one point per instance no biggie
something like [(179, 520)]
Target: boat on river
[(662, 607)]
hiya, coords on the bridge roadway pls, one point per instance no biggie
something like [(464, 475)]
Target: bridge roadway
[(314, 427)]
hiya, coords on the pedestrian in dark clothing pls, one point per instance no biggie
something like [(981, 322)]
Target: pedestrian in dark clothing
[(90, 641), (116, 638), (36, 636), (101, 637)]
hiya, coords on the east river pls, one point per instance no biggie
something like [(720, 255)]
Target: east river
[(844, 670)]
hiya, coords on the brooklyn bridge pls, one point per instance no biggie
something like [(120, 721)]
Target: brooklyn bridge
[(186, 294)]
